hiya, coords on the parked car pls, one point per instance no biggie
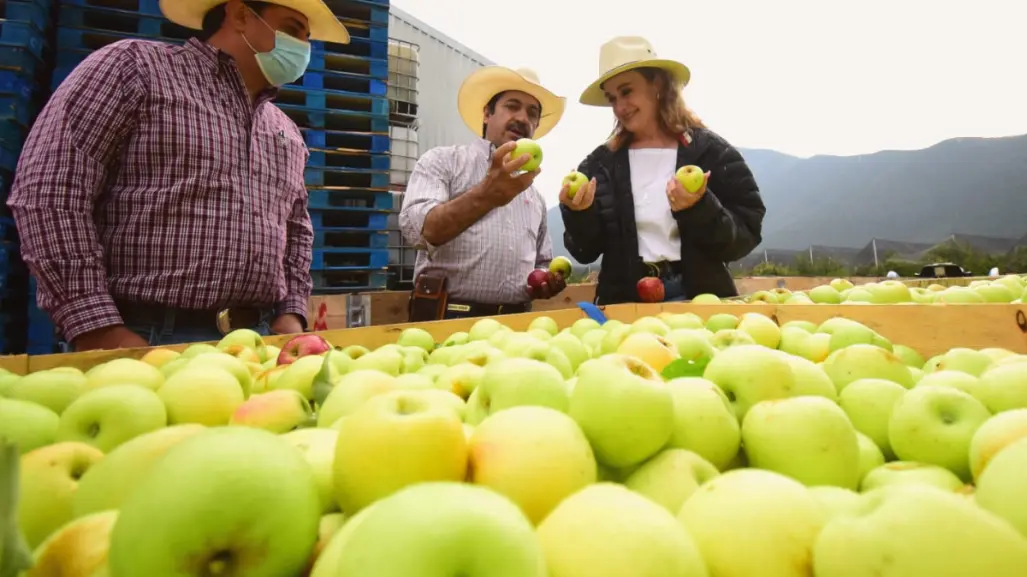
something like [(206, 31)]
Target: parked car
[(943, 270)]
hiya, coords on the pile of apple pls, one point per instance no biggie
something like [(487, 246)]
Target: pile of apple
[(1005, 290), (673, 446)]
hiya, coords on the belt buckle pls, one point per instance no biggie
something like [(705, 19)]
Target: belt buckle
[(499, 310), (224, 321)]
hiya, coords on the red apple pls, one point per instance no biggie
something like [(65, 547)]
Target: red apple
[(302, 346), (537, 278), (650, 290)]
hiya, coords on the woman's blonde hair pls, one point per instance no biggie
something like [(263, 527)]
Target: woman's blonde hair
[(674, 117)]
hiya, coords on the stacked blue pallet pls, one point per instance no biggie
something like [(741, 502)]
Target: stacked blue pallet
[(340, 105), (26, 61)]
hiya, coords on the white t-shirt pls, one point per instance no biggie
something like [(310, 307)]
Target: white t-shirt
[(658, 236)]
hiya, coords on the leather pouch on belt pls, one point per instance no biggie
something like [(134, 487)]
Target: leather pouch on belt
[(428, 299)]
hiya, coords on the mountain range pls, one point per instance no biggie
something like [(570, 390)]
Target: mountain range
[(969, 186)]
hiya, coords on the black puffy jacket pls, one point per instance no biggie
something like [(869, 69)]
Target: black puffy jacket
[(723, 227)]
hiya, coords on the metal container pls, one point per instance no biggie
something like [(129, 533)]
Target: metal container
[(404, 147), (443, 64)]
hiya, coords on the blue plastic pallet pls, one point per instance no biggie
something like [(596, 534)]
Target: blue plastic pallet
[(19, 59), (347, 140), (320, 158), (16, 85), (107, 21), (78, 40), (344, 177), (16, 109), (12, 134), (342, 120), (360, 11), (8, 229), (9, 156), (30, 12), (325, 259), (339, 220), (339, 281), (331, 62), (363, 42), (343, 82), (147, 7), (351, 238), (22, 35), (312, 98), (355, 199)]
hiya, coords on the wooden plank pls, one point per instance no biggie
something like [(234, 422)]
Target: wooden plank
[(930, 329), (17, 364)]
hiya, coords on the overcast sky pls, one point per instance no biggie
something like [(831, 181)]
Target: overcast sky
[(803, 77)]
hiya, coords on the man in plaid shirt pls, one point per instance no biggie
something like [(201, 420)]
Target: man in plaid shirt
[(160, 196)]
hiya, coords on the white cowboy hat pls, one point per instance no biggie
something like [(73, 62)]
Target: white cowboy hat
[(486, 82), (625, 53), (324, 25)]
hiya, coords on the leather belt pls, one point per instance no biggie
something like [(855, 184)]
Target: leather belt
[(484, 310), (225, 320)]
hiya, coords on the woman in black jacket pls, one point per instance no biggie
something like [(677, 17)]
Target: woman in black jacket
[(633, 212)]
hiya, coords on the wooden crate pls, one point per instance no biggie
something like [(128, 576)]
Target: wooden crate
[(930, 329)]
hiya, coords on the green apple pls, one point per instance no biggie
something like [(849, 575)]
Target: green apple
[(572, 347), (996, 293), (327, 528), (423, 439), (233, 365), (903, 472), (869, 404), (935, 425), (918, 532), (779, 517), (385, 360), (278, 411), (956, 379), (515, 382), (1003, 387), (653, 350), (203, 395), (908, 356), (457, 338), (593, 341), (561, 266), (536, 456), (585, 535), (300, 374), (763, 297), (77, 549), (160, 357), (682, 320), (840, 284), (670, 478), (318, 448), (749, 374), (810, 379), (7, 380), (825, 294), (352, 391), (124, 372), (54, 389), (106, 484), (485, 535), (416, 337), (693, 345), (49, 477), (870, 455), (624, 408), (704, 421), (1000, 486), (214, 506), (198, 349), (484, 328), (994, 435), (461, 379), (650, 324), (967, 360), (727, 338), (890, 292), (265, 380), (706, 299), (532, 149), (573, 181), (613, 338), (836, 501), (545, 323), (863, 361), (761, 328), (27, 425), (809, 439), (248, 338), (355, 351), (109, 416)]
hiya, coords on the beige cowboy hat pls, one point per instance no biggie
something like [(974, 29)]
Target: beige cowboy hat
[(486, 82), (324, 25), (625, 53)]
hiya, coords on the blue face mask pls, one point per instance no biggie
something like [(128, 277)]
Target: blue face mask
[(286, 62)]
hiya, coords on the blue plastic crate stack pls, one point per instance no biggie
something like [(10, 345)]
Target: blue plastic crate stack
[(26, 63), (342, 107)]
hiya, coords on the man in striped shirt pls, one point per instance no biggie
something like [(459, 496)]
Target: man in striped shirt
[(160, 195), (477, 219)]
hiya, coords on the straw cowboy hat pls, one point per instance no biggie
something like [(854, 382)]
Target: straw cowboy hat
[(486, 82), (625, 53), (324, 25)]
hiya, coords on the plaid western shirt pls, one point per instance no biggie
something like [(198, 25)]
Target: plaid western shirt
[(489, 262), (151, 176)]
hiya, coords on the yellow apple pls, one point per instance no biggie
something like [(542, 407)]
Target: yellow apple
[(124, 372), (352, 391), (277, 411), (652, 349), (994, 435), (77, 549), (49, 477), (203, 395), (160, 357), (318, 448)]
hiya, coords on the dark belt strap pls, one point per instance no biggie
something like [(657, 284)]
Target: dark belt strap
[(663, 269), (484, 310), (147, 313)]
